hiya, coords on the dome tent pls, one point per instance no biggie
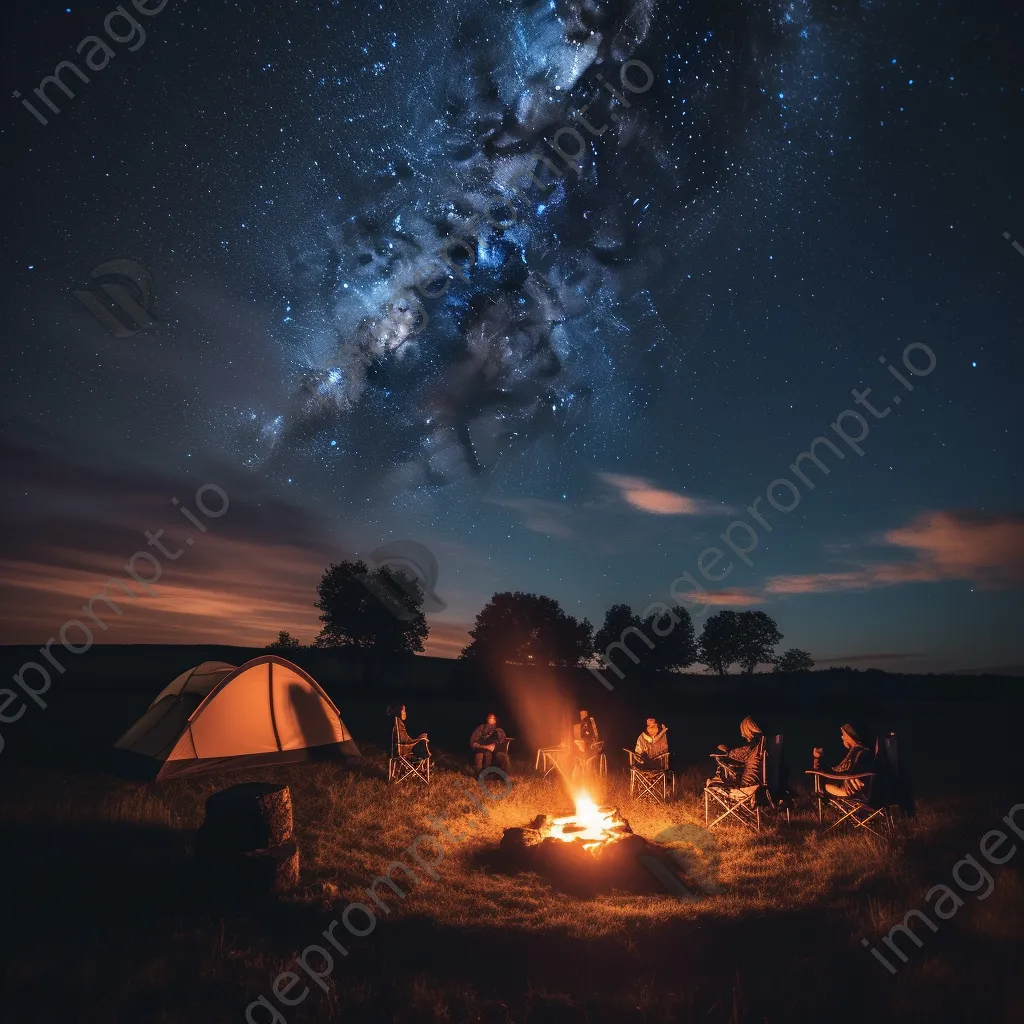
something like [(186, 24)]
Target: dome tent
[(217, 717)]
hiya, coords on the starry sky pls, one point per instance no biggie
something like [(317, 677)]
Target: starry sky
[(554, 290)]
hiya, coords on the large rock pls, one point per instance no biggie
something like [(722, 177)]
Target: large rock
[(516, 840), (564, 862)]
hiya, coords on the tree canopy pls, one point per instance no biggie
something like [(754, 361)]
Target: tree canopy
[(528, 629), (746, 638), (675, 646), (719, 642), (794, 660), (663, 641), (284, 642), (758, 636), (377, 609)]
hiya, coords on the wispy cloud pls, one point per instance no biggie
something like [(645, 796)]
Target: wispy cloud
[(446, 640), (644, 495), (734, 597), (987, 551), (253, 573), (547, 517)]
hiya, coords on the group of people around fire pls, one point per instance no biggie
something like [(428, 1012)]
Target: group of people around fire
[(738, 767)]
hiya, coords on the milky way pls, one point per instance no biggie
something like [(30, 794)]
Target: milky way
[(515, 220)]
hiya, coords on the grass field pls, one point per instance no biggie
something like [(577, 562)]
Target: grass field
[(103, 921)]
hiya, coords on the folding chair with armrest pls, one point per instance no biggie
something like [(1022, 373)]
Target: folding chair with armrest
[(745, 803), (655, 784), (880, 791), (404, 763)]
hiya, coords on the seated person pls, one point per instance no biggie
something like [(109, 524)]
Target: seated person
[(858, 760), (412, 749), (489, 743), (651, 751), (585, 735), (741, 766)]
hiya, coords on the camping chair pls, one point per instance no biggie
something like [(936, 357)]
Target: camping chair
[(650, 784), (592, 762), (500, 747), (881, 791), (403, 764), (505, 747), (745, 803), (547, 758)]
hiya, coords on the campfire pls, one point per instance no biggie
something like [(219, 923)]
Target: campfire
[(590, 825), (591, 849)]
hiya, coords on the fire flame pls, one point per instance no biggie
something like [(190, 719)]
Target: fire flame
[(591, 825)]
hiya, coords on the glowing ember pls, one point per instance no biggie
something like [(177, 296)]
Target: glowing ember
[(591, 825)]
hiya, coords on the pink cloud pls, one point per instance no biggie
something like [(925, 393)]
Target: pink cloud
[(985, 550), (733, 597), (643, 495)]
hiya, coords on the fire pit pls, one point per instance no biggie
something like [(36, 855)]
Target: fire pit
[(590, 825), (592, 849)]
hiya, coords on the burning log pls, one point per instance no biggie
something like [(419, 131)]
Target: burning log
[(592, 849)]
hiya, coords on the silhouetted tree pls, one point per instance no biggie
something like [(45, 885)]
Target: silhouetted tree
[(661, 642), (377, 609), (675, 646), (719, 645), (284, 642), (618, 619), (528, 629), (619, 628), (758, 635), (794, 660)]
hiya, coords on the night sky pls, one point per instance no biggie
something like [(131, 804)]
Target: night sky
[(633, 347)]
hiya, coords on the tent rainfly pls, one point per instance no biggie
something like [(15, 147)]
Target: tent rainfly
[(217, 717)]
